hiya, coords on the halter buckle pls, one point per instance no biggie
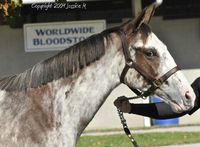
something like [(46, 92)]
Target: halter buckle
[(157, 83)]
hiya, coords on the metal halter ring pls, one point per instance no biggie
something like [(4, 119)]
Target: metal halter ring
[(157, 83), (129, 63)]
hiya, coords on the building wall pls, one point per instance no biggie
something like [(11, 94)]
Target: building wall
[(13, 58), (181, 36)]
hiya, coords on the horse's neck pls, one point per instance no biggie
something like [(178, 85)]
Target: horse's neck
[(91, 89), (64, 107)]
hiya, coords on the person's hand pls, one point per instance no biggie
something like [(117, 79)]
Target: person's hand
[(123, 104)]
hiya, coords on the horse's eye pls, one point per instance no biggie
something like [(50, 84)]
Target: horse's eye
[(150, 53)]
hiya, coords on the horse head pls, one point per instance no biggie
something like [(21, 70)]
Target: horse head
[(149, 66)]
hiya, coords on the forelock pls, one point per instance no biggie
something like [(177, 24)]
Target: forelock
[(145, 31)]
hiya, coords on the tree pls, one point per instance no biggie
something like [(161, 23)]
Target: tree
[(10, 12)]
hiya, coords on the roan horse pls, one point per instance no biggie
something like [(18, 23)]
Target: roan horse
[(50, 104)]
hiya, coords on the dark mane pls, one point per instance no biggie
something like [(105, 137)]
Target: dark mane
[(63, 64)]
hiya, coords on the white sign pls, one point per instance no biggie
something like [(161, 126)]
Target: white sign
[(59, 36)]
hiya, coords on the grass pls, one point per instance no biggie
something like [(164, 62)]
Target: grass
[(144, 140)]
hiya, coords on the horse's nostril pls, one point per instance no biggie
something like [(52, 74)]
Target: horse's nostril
[(187, 95)]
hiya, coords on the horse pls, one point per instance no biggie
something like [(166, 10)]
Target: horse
[(50, 104)]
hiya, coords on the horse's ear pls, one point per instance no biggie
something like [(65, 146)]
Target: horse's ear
[(144, 17)]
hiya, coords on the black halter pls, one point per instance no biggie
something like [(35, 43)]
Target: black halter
[(155, 83)]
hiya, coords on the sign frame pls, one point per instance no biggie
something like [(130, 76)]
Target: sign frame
[(30, 27)]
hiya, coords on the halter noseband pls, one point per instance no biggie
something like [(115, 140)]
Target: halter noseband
[(155, 83)]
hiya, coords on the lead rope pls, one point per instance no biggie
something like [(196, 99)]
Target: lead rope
[(126, 129), (125, 126)]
